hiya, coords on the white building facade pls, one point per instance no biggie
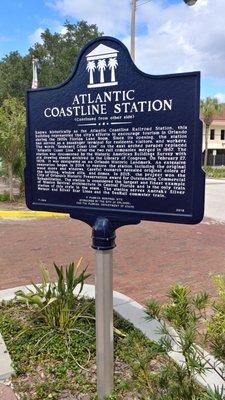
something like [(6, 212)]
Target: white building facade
[(216, 140)]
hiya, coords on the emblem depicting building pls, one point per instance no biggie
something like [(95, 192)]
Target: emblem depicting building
[(101, 59)]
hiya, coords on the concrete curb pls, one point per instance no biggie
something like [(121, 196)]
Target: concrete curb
[(134, 313), (215, 180), (6, 369)]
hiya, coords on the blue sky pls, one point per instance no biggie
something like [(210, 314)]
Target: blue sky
[(19, 19), (171, 37)]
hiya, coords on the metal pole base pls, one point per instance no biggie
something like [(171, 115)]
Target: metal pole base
[(104, 322)]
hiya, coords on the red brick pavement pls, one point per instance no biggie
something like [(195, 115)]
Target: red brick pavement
[(148, 258)]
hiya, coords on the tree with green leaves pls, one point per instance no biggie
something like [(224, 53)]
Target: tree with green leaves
[(12, 126), (209, 107), (15, 75), (58, 53)]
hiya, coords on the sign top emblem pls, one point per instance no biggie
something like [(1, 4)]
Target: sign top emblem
[(102, 58)]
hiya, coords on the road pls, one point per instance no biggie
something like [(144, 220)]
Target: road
[(215, 199)]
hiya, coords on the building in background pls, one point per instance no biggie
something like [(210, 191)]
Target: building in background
[(216, 141)]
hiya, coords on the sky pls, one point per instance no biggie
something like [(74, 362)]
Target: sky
[(170, 36)]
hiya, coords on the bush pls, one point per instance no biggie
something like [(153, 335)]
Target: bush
[(216, 324), (4, 196), (185, 313), (65, 354), (57, 304), (217, 173)]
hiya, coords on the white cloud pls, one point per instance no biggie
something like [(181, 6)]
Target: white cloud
[(220, 97), (53, 25), (111, 16), (176, 37), (36, 36), (63, 30), (182, 38)]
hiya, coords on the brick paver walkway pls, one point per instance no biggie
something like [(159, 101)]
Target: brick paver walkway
[(148, 258)]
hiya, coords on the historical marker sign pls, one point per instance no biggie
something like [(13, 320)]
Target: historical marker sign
[(116, 142)]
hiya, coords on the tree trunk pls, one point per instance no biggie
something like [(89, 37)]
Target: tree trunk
[(22, 189), (10, 175), (206, 145)]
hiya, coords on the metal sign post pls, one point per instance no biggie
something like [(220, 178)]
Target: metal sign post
[(104, 242), (104, 322), (214, 157)]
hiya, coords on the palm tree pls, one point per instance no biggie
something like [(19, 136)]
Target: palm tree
[(101, 68), (209, 107), (91, 67), (113, 65)]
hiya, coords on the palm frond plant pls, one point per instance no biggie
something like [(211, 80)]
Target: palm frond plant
[(59, 303)]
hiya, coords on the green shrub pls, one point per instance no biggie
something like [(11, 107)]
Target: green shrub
[(56, 302), (4, 196), (217, 394), (217, 173), (185, 313), (216, 323)]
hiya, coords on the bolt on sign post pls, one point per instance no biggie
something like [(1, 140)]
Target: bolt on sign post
[(113, 146)]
